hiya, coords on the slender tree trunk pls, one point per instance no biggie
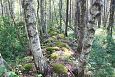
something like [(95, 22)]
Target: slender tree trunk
[(55, 14), (2, 11), (111, 18), (67, 10), (86, 31), (70, 11), (60, 13), (46, 25), (42, 17), (30, 19)]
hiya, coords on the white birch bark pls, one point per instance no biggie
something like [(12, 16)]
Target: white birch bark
[(30, 19), (86, 30)]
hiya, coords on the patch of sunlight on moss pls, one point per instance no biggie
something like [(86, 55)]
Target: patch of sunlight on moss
[(54, 56), (67, 53)]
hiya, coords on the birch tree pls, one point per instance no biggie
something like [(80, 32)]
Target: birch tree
[(30, 20), (86, 31)]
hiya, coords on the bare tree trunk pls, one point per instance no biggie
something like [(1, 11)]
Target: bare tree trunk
[(86, 31), (70, 11), (67, 10), (30, 19), (60, 13), (111, 18), (2, 10), (42, 17)]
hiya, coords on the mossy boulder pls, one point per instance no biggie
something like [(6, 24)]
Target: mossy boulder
[(59, 68)]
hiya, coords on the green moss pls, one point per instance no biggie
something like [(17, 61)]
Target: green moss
[(27, 59), (61, 36), (54, 56), (52, 32), (50, 40), (59, 68), (50, 50), (2, 70), (61, 44), (65, 49), (28, 67)]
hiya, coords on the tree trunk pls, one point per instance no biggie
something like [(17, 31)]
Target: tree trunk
[(86, 31), (30, 20), (2, 11), (66, 26), (60, 13), (111, 19), (42, 17)]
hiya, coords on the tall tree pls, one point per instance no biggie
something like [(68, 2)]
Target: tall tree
[(86, 31), (2, 11), (60, 13), (42, 17), (30, 20), (111, 18), (66, 23)]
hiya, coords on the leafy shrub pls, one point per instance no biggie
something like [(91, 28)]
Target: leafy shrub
[(12, 38), (100, 60)]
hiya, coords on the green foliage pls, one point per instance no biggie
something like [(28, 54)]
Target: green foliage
[(27, 59), (39, 75), (53, 31), (12, 74), (11, 37), (100, 60), (28, 67), (59, 68), (2, 70)]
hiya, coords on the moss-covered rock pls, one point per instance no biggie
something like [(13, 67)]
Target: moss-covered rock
[(59, 68)]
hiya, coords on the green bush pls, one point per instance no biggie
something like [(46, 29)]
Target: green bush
[(100, 59), (12, 38)]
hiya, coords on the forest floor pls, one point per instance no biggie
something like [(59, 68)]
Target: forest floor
[(59, 52)]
